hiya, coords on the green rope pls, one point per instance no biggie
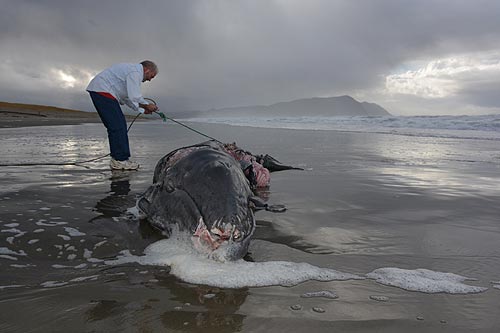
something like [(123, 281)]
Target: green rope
[(164, 117)]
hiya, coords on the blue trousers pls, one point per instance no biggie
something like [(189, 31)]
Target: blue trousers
[(112, 117)]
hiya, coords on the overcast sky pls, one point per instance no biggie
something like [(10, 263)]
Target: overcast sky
[(409, 56)]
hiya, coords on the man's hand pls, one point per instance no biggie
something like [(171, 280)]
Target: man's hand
[(149, 108)]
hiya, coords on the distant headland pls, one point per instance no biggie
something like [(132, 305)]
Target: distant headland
[(316, 106)]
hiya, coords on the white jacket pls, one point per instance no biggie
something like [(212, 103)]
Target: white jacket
[(123, 81)]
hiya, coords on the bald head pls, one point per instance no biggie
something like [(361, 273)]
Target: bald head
[(150, 70), (150, 65)]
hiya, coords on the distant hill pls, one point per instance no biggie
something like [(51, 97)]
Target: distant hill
[(23, 115), (36, 109), (317, 106)]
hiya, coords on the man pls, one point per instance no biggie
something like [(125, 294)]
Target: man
[(121, 84)]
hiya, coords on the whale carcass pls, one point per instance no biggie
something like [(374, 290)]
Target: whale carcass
[(206, 190)]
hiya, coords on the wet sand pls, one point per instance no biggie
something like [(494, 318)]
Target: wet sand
[(364, 201)]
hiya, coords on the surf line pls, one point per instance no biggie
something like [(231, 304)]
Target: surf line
[(79, 163)]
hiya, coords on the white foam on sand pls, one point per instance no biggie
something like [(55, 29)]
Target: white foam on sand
[(85, 278), (424, 280), (7, 251), (66, 238), (99, 244), (6, 256), (74, 232), (11, 286), (135, 212), (321, 293), (11, 230), (52, 284), (192, 267), (22, 266), (58, 266), (45, 223)]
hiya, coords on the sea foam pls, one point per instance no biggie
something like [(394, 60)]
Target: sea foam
[(424, 280), (192, 267)]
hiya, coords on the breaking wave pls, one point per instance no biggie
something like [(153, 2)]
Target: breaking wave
[(485, 127)]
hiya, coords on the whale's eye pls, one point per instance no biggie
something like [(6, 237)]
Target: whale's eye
[(169, 186)]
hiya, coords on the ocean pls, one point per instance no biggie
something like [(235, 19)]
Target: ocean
[(486, 127)]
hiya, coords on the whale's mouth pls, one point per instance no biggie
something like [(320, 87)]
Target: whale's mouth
[(221, 234)]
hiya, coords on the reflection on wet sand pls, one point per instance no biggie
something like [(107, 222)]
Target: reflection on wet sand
[(168, 304), (266, 230), (114, 224), (217, 313), (118, 200)]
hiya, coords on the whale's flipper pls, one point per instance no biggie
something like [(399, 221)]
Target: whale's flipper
[(259, 203), (272, 164)]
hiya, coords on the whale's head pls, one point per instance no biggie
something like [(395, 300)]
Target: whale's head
[(206, 193), (222, 194)]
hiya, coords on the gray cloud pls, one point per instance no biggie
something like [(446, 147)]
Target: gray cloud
[(223, 53), (484, 94)]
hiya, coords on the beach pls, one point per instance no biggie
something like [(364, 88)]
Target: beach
[(364, 201)]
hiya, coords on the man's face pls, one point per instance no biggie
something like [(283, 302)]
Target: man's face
[(148, 75)]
